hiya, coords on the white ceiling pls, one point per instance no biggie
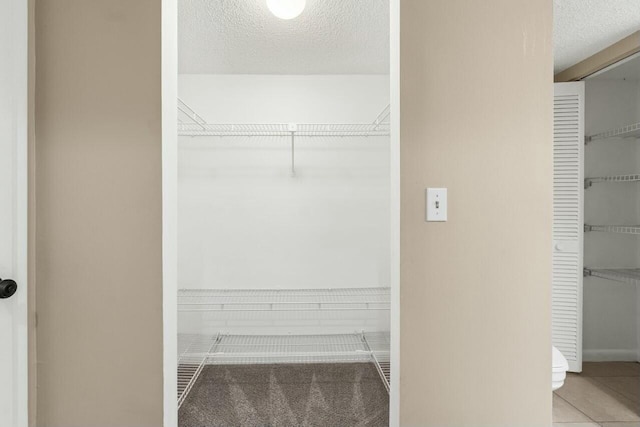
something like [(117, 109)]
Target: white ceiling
[(243, 37), (584, 27), (352, 36)]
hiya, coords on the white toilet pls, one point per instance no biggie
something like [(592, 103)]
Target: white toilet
[(559, 367)]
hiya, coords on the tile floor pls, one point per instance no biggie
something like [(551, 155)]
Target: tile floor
[(604, 394)]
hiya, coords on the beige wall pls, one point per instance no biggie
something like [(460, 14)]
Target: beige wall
[(477, 118), (476, 112), (98, 208)]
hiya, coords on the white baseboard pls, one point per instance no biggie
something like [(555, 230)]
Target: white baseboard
[(620, 355)]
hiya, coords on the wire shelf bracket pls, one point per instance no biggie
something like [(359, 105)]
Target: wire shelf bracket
[(384, 116), (191, 114)]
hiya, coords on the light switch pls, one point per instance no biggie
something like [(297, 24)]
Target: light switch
[(436, 204)]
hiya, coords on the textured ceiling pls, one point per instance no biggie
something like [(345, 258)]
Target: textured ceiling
[(584, 27), (352, 37), (243, 37)]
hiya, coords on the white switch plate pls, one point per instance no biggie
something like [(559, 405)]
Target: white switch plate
[(436, 204)]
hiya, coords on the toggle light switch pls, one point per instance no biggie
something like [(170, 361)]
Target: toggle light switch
[(436, 199)]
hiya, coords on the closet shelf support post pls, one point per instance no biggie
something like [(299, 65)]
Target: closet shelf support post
[(292, 127)]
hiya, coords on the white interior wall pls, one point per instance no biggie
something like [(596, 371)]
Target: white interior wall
[(611, 308), (638, 222), (246, 223)]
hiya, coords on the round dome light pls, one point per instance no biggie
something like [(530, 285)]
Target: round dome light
[(286, 9)]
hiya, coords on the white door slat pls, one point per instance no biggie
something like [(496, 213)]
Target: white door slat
[(568, 187)]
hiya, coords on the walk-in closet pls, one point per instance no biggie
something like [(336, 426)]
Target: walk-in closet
[(596, 303), (284, 213)]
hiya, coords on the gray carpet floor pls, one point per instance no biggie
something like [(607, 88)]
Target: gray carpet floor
[(327, 395)]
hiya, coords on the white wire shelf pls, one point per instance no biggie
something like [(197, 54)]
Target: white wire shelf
[(626, 275), (251, 349), (195, 351), (351, 299), (614, 178), (198, 126), (261, 349), (192, 351), (379, 345), (629, 131), (620, 229), (187, 375), (285, 130)]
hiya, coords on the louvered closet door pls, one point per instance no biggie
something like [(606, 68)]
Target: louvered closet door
[(568, 188)]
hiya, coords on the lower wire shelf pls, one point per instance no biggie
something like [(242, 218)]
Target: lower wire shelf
[(195, 351), (620, 229), (379, 346), (588, 182), (625, 275), (187, 373), (190, 360)]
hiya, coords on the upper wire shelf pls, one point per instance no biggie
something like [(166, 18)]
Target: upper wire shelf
[(614, 178), (620, 229), (317, 129), (625, 275), (198, 126), (629, 131), (284, 300)]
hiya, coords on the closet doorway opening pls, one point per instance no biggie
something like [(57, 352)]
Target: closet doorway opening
[(281, 202)]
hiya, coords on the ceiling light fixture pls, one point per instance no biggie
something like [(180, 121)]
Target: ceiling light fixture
[(286, 9)]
